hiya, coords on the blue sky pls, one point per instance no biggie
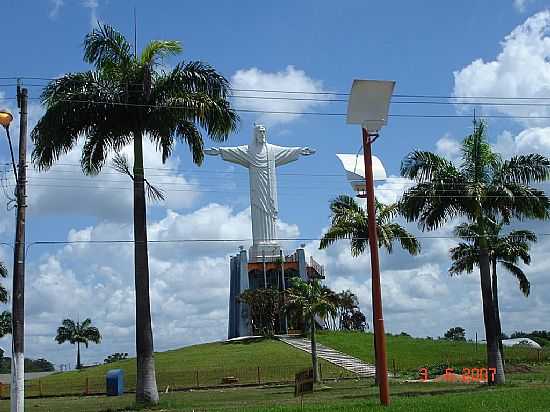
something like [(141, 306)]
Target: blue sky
[(427, 47)]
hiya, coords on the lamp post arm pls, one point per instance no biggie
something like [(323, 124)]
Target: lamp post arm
[(11, 152)]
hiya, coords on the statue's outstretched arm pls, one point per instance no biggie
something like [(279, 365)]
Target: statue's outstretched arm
[(213, 151), (306, 151)]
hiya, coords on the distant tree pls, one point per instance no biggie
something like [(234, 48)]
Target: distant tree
[(31, 365), (38, 365), (5, 316), (76, 332), (354, 320), (115, 357), (263, 307), (457, 333), (313, 301), (5, 323)]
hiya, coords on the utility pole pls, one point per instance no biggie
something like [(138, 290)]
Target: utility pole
[(18, 290)]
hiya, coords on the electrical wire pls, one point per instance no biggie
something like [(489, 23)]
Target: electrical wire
[(321, 93), (212, 240)]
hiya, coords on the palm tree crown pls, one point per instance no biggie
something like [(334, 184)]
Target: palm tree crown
[(349, 220), (483, 185), (126, 95), (77, 333), (507, 250)]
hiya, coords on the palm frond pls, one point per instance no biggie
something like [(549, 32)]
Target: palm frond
[(92, 334), (158, 49), (72, 111), (464, 258), (154, 194), (105, 47), (198, 94), (524, 169), (4, 296), (524, 284), (407, 240), (3, 270), (121, 164), (423, 166)]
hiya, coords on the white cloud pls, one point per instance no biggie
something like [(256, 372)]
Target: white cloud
[(56, 6), (288, 79), (521, 69), (64, 189), (189, 282), (520, 5), (93, 5), (532, 140), (448, 148), (391, 190)]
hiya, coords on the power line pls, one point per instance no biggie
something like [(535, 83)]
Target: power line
[(214, 240), (321, 93), (283, 112)]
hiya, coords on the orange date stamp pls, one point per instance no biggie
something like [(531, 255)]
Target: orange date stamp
[(468, 375)]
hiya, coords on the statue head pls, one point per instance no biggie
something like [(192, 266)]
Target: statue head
[(260, 134)]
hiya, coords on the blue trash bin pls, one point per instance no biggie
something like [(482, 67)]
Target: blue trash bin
[(115, 382)]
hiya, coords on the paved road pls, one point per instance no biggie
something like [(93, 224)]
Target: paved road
[(5, 377)]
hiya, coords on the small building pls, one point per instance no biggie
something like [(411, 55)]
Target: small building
[(521, 342), (273, 271)]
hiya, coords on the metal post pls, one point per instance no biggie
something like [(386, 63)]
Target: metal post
[(379, 335), (18, 289), (265, 274), (283, 283)]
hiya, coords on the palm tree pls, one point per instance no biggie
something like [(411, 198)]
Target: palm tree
[(349, 221), (5, 316), (506, 250), (77, 333), (481, 187), (122, 100), (312, 300)]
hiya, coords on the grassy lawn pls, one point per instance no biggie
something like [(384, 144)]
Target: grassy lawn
[(413, 353), (348, 395), (268, 361), (263, 361)]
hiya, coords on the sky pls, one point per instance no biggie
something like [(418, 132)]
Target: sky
[(444, 48)]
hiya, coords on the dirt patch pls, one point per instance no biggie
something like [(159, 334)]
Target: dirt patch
[(520, 368)]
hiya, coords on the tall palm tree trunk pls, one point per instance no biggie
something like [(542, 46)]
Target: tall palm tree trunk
[(146, 385), (314, 351), (497, 310), (78, 365), (494, 359)]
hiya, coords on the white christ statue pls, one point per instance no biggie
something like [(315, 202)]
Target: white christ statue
[(261, 159)]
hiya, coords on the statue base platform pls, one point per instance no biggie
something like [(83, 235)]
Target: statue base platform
[(264, 251)]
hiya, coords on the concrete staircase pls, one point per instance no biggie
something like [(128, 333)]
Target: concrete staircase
[(347, 362)]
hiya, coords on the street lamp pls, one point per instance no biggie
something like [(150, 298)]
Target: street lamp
[(354, 165), (5, 120), (368, 106)]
